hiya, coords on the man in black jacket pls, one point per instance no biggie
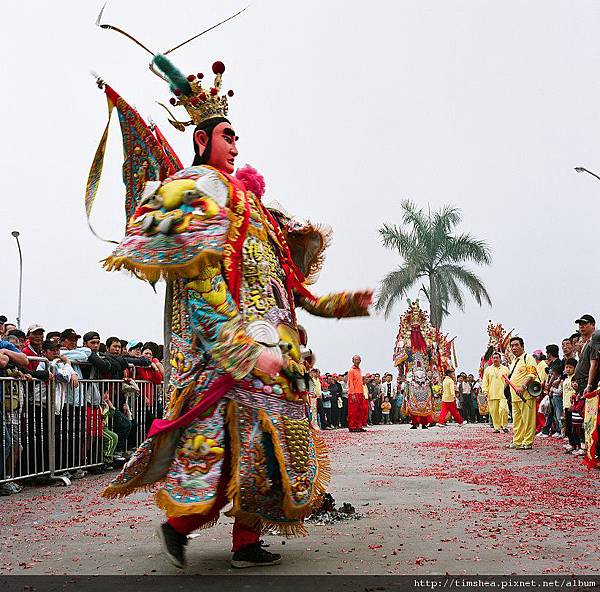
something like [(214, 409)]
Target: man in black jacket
[(335, 388), (112, 368)]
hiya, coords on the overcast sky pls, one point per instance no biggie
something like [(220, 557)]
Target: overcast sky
[(346, 107)]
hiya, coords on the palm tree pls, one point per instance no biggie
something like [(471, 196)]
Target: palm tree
[(431, 251)]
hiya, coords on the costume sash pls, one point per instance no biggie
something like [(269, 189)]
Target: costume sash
[(213, 395)]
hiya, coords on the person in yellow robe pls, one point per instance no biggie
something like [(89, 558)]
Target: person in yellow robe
[(523, 371), (492, 385)]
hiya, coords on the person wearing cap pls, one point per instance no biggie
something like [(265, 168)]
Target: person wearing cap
[(583, 379), (587, 326), (53, 336), (37, 420), (523, 371), (33, 345), (17, 338), (590, 402), (92, 371), (73, 417), (134, 348)]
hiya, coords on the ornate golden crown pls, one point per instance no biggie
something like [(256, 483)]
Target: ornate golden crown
[(200, 103)]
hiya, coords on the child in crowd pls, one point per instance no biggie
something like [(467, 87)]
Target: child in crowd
[(577, 408), (109, 438), (568, 392), (326, 406), (386, 407)]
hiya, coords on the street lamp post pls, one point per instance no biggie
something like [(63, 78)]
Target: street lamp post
[(15, 233), (579, 169)]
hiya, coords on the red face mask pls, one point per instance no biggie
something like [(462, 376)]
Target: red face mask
[(222, 149)]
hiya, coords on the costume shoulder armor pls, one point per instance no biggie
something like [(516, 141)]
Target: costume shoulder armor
[(179, 224)]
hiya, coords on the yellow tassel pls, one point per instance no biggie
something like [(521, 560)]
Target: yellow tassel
[(174, 509), (153, 273), (322, 476), (265, 526), (233, 487)]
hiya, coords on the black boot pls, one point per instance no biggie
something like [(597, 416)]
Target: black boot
[(254, 556), (173, 544)]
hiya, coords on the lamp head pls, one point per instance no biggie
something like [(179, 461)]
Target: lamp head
[(579, 169), (15, 233)]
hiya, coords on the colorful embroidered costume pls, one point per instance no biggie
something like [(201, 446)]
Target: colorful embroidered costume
[(235, 273), (421, 354)]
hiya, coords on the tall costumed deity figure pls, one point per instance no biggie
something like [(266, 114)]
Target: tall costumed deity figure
[(416, 364), (492, 372), (235, 428)]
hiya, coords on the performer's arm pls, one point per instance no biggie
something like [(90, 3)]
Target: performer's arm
[(340, 305), (485, 384), (218, 325), (592, 376)]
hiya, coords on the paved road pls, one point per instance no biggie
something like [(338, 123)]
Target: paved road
[(433, 502)]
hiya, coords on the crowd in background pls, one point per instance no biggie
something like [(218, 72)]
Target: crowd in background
[(564, 383), (94, 383), (41, 358), (566, 379), (328, 398)]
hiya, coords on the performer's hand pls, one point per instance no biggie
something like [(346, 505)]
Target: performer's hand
[(269, 362), (520, 390)]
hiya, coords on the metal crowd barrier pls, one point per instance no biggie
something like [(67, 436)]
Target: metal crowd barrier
[(52, 429)]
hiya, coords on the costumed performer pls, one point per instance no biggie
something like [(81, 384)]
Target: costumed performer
[(418, 400), (235, 427)]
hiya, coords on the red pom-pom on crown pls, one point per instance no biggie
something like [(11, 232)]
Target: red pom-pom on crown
[(218, 67)]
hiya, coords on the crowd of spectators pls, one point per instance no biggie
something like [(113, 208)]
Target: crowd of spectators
[(328, 397), (92, 387), (568, 383), (568, 376)]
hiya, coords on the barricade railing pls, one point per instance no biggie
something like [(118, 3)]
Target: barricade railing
[(54, 428)]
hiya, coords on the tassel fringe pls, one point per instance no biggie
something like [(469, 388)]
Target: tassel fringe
[(174, 509), (153, 273), (322, 476)]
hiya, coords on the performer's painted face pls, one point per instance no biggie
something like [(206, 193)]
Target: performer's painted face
[(222, 146)]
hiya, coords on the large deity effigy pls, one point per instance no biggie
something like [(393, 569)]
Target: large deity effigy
[(421, 354)]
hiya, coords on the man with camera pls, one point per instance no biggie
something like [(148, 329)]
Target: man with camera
[(522, 374)]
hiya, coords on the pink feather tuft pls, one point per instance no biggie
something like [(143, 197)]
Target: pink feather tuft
[(252, 179)]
